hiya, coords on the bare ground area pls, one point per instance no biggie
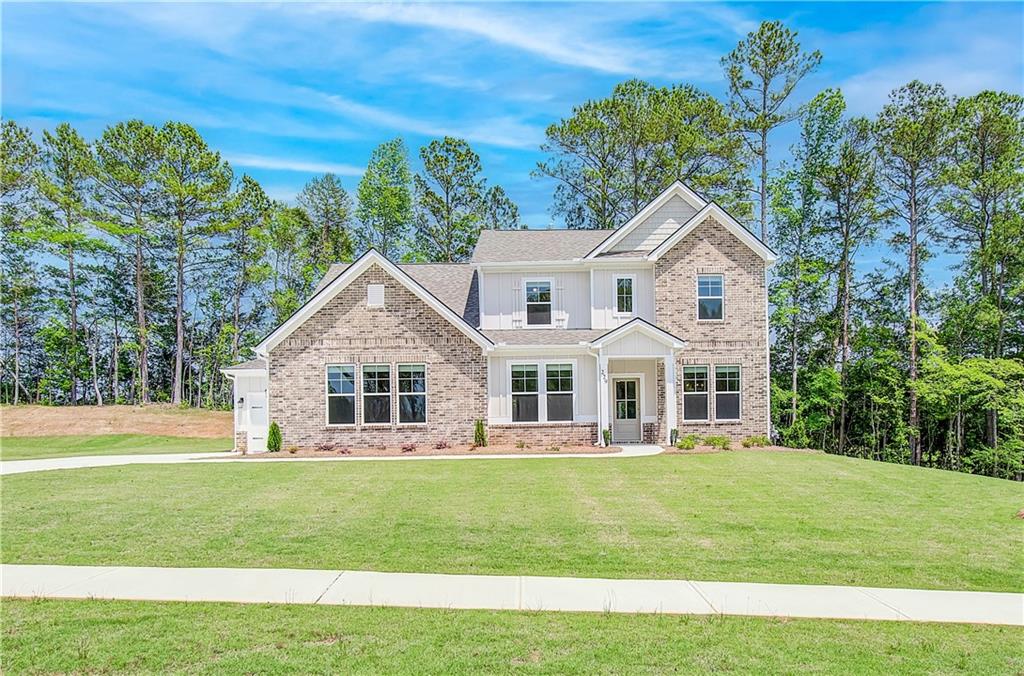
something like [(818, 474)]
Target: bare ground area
[(155, 419), (455, 449)]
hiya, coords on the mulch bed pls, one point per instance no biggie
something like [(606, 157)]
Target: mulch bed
[(463, 449), (703, 450)]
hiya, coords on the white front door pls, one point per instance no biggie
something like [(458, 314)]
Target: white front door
[(626, 418), (256, 421)]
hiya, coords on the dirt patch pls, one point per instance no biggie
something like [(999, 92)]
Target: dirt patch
[(156, 419), (463, 449), (703, 450)]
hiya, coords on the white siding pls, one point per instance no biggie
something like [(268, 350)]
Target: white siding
[(636, 343), (603, 314), (658, 226), (500, 398), (503, 304), (244, 384)]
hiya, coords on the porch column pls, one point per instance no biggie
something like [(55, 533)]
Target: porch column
[(670, 396), (602, 396)]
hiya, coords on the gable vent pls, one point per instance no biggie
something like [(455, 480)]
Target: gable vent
[(375, 295)]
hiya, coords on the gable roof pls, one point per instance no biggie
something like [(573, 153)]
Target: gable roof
[(508, 246), (251, 365), (329, 290), (677, 189), (722, 217), (639, 325)]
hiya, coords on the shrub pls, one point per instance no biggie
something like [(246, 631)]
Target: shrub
[(607, 435), (520, 444), (756, 441), (293, 449), (479, 434), (443, 444), (673, 435), (325, 448), (408, 447), (718, 441), (344, 450), (274, 438), (554, 449), (689, 442)]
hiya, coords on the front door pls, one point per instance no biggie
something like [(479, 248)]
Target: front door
[(256, 423), (626, 421)]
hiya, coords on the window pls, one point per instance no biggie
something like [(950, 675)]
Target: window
[(623, 295), (341, 395), (558, 387), (412, 393), (524, 393), (710, 299), (695, 393), (376, 394), (538, 303), (727, 393)]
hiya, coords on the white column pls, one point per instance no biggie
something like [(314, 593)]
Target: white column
[(602, 396), (670, 396)]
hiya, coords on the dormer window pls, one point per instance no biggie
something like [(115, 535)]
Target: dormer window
[(624, 295), (538, 303), (710, 297)]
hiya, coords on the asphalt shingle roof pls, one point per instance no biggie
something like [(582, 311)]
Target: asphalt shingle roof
[(251, 364), (503, 246), (543, 336)]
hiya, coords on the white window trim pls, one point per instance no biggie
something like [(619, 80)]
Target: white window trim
[(425, 393), (542, 391), (615, 295), (696, 305), (363, 395), (738, 393), (328, 395), (526, 304), (681, 376)]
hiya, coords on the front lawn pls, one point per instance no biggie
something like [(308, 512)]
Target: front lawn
[(134, 637), (742, 516), (34, 448)]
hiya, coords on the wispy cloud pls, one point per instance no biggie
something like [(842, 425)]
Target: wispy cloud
[(293, 164)]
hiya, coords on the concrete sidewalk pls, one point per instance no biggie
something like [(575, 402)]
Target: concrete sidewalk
[(491, 592), (80, 461)]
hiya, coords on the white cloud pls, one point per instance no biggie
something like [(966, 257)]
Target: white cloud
[(288, 164)]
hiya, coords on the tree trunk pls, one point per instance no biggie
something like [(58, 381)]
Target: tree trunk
[(140, 319), (915, 440), (94, 341), (844, 343), (17, 345), (179, 318), (73, 297), (764, 185), (116, 381)]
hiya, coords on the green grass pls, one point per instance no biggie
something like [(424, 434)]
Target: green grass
[(740, 516), (119, 636), (33, 448)]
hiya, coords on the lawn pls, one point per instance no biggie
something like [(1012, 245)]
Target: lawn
[(33, 448), (118, 636), (742, 516)]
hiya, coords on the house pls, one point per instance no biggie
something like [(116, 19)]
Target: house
[(548, 336)]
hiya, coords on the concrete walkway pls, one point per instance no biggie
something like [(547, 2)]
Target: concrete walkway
[(421, 590), (76, 462)]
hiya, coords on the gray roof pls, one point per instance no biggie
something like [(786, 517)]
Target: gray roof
[(543, 336), (454, 284), (502, 246), (249, 365)]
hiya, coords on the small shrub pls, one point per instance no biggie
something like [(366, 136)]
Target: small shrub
[(554, 449), (673, 436), (689, 442), (756, 441), (607, 435), (443, 444), (325, 448), (479, 434), (718, 441), (293, 449), (344, 450), (274, 438), (520, 444), (409, 447)]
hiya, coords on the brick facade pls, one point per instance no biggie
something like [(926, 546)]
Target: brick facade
[(405, 330), (739, 339), (241, 441), (579, 434)]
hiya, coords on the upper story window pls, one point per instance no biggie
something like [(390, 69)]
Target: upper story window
[(538, 303), (710, 297), (624, 295)]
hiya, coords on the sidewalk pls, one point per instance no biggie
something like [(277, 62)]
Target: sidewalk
[(491, 592), (76, 462)]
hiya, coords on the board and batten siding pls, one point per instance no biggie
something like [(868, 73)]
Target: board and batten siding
[(503, 304), (603, 312), (499, 395), (658, 226)]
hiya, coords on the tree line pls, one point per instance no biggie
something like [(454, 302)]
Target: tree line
[(160, 267)]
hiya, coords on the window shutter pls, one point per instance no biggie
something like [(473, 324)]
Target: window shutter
[(375, 295)]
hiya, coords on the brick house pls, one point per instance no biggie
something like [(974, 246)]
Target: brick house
[(547, 336)]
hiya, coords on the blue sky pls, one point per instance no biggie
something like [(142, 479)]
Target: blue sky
[(286, 91)]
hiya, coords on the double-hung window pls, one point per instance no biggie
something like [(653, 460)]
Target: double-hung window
[(341, 394), (538, 303), (727, 393), (558, 386), (695, 393), (624, 295), (376, 394), (525, 393), (412, 393), (710, 297)]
